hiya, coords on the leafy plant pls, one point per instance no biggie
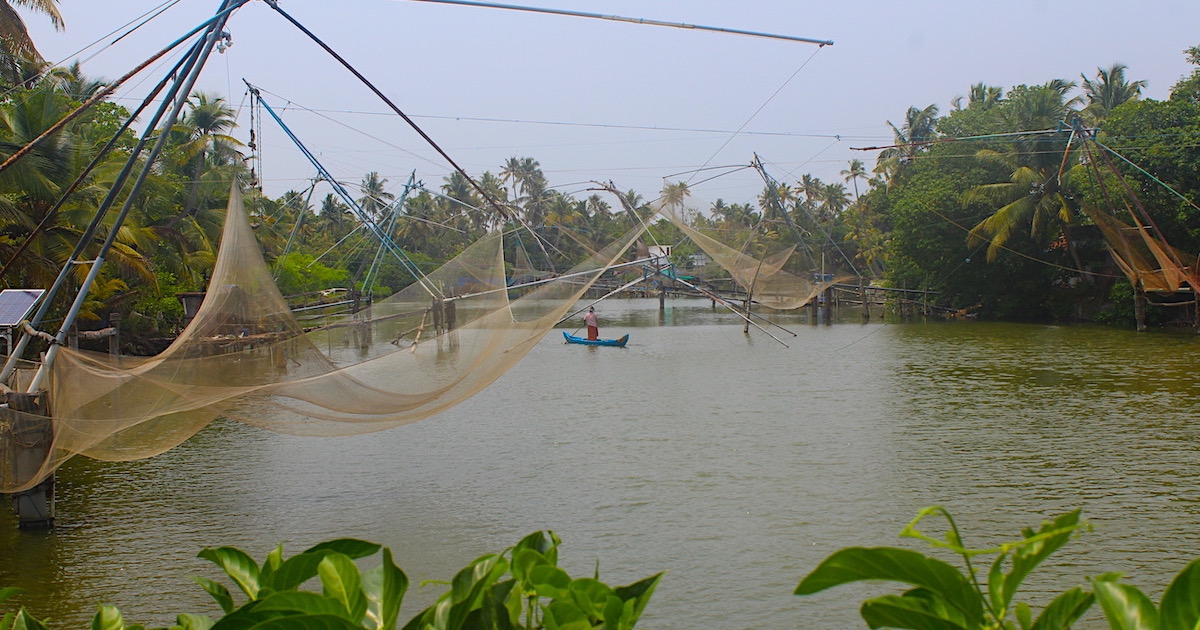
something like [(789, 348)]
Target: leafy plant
[(946, 598), (520, 588), (538, 595), (1127, 608)]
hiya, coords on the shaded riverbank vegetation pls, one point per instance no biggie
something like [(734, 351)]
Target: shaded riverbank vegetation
[(964, 204)]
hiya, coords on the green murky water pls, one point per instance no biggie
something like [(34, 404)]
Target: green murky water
[(731, 461)]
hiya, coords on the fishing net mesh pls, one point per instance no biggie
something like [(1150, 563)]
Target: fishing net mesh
[(1147, 261), (245, 357), (763, 275)]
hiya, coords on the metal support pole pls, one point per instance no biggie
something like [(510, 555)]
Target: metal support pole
[(179, 71), (183, 90)]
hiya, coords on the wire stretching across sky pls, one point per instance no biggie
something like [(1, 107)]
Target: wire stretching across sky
[(140, 21), (756, 113)]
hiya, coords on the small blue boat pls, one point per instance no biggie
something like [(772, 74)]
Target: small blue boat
[(620, 343)]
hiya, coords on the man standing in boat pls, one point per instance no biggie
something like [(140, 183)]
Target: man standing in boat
[(592, 325)]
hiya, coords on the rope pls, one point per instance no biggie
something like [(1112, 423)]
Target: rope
[(87, 170), (370, 222), (1147, 174), (110, 88), (759, 110), (33, 332), (487, 196), (618, 18)]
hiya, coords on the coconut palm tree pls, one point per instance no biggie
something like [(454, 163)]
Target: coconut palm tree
[(856, 172), (415, 229), (524, 176), (597, 208), (36, 237), (536, 196), (564, 211), (1036, 192), (774, 200), (834, 199), (494, 187), (74, 83), (204, 143), (811, 187), (335, 216), (376, 198), (981, 95), (15, 43), (1109, 89), (462, 206), (870, 242), (910, 139), (675, 195)]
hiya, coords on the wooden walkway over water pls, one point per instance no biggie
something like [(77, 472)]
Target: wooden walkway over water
[(871, 299)]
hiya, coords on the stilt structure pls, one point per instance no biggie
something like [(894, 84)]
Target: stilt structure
[(26, 445), (30, 434), (1139, 307)]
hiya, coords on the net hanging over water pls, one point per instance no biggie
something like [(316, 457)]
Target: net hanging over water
[(245, 357), (1147, 261), (764, 275)]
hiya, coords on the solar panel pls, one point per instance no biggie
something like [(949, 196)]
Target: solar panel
[(16, 304)]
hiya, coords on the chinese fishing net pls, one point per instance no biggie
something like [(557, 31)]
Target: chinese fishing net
[(779, 279), (245, 357), (1146, 260)]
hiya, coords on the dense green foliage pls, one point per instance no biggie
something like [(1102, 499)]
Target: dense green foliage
[(968, 205), (522, 588)]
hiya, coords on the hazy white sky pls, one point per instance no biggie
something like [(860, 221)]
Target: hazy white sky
[(634, 104)]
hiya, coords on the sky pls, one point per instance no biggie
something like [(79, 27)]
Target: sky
[(598, 101)]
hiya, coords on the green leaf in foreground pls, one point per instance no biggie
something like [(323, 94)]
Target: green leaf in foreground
[(1181, 601), (856, 564), (1125, 607), (238, 565)]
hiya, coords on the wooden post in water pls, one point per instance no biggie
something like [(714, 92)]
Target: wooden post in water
[(28, 438), (1139, 307), (746, 327), (1196, 299), (862, 295), (828, 306), (114, 340)]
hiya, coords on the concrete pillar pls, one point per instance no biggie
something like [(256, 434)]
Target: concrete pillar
[(29, 442)]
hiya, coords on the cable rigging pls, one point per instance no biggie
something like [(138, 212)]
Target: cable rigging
[(617, 18), (185, 79), (341, 191), (411, 123)]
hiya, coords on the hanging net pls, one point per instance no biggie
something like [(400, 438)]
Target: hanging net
[(245, 357), (1147, 261), (767, 277), (523, 270)]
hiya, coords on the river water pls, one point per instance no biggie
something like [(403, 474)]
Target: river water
[(731, 462)]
